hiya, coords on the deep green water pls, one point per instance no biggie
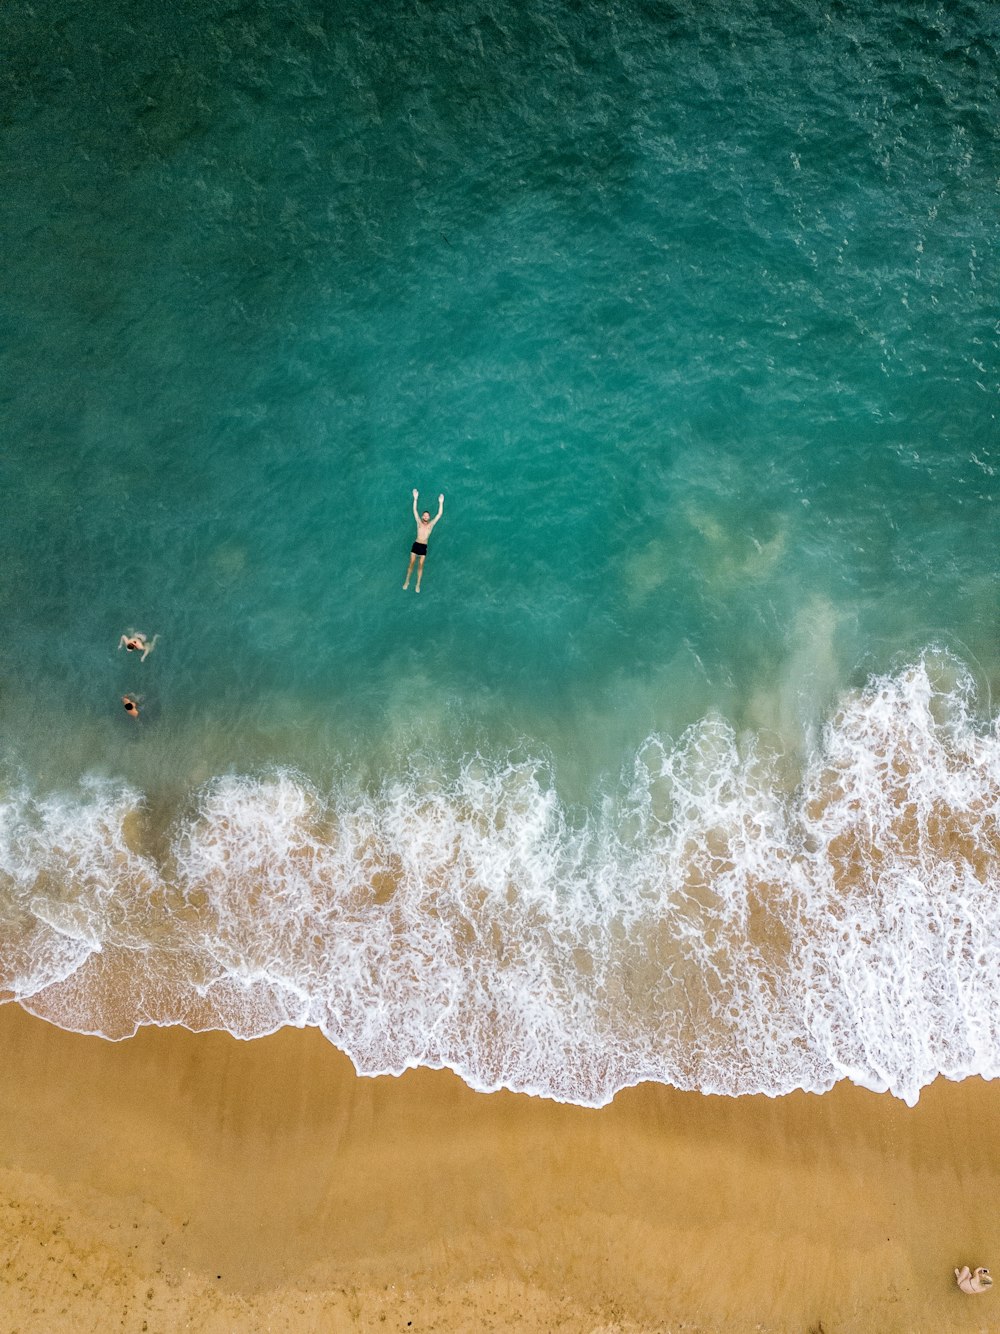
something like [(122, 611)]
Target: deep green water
[(691, 311)]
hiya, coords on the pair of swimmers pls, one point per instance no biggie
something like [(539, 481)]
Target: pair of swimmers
[(134, 641)]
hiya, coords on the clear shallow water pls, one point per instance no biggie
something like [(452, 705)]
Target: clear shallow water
[(694, 319)]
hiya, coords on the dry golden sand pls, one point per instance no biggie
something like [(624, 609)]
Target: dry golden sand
[(192, 1182)]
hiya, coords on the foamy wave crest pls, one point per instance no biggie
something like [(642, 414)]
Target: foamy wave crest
[(708, 927)]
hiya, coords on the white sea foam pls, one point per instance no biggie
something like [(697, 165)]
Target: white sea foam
[(708, 927)]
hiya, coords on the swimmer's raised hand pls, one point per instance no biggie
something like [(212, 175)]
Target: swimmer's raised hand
[(415, 493)]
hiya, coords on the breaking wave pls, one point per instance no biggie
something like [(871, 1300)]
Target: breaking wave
[(710, 926)]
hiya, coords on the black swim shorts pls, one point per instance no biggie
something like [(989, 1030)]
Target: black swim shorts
[(419, 548)]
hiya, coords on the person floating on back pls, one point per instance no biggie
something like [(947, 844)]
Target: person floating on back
[(978, 1280), (419, 549), (131, 705), (133, 641)]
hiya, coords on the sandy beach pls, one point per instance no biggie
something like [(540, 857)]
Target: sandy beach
[(193, 1182)]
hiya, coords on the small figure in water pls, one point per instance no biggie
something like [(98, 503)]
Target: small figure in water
[(978, 1280), (131, 705), (419, 549), (133, 641)]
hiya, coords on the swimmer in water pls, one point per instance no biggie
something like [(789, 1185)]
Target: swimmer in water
[(131, 705), (133, 641), (419, 549)]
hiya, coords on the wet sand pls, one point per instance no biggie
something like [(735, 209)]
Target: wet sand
[(180, 1181)]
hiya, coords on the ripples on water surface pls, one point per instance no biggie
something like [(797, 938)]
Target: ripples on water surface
[(683, 765)]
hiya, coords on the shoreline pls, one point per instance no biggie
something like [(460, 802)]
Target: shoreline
[(196, 1181)]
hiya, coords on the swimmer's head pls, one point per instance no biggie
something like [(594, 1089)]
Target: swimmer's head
[(426, 515)]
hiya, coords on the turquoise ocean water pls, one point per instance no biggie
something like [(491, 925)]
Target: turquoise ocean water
[(684, 763)]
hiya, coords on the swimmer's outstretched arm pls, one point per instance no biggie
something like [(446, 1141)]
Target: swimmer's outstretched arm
[(149, 648), (440, 511), (122, 641), (416, 493)]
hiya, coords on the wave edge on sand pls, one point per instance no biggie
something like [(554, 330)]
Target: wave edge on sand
[(710, 927)]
